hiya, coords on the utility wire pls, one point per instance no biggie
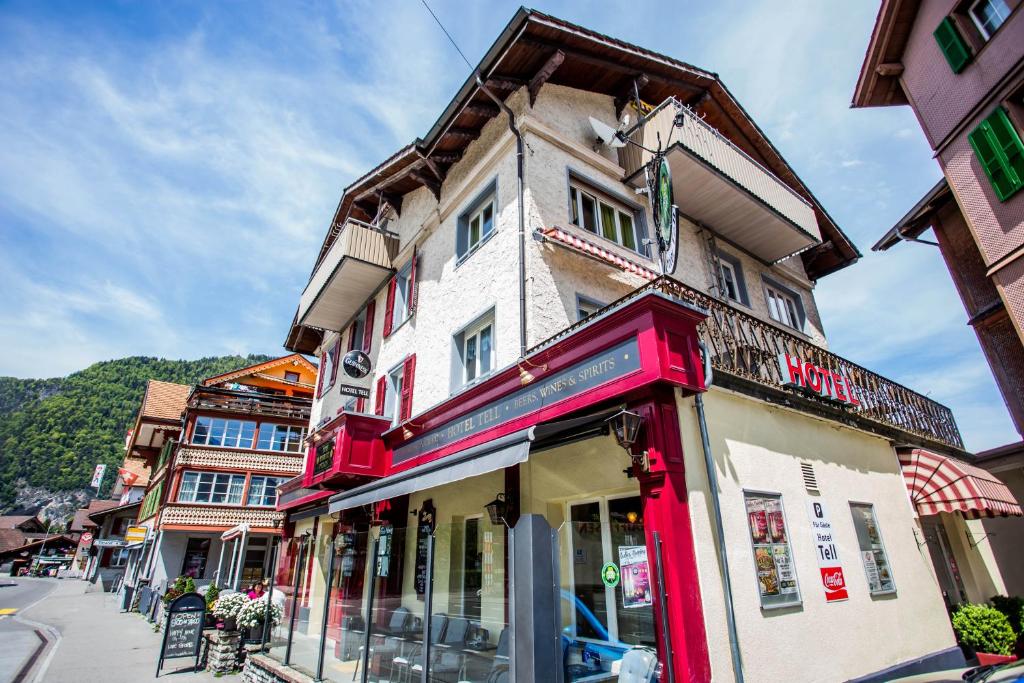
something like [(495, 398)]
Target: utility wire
[(456, 45)]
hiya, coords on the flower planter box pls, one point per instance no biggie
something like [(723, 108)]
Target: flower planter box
[(986, 659)]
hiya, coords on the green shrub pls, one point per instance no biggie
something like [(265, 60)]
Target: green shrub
[(984, 629), (212, 593), (190, 585), (1013, 608)]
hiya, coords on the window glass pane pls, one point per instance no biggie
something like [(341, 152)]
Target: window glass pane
[(591, 598), (235, 492), (729, 281), (232, 429), (471, 358), (187, 492), (628, 236), (589, 206), (474, 231), (794, 318), (608, 223), (488, 218), (872, 551), (248, 431), (574, 205), (635, 617), (266, 435), (255, 491), (774, 568), (216, 432), (990, 15), (485, 350), (202, 430), (773, 308)]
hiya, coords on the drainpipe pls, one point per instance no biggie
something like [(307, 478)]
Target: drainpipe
[(716, 506), (522, 209)]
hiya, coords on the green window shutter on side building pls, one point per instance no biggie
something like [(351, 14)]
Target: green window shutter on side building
[(952, 45), (1000, 152)]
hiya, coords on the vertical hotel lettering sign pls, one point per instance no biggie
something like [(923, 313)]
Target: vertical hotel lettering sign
[(832, 579)]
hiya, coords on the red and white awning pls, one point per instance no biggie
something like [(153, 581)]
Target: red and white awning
[(939, 483), (588, 248)]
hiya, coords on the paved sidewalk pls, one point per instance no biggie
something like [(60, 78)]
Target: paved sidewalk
[(100, 643)]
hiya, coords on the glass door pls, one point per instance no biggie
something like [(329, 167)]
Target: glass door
[(946, 570)]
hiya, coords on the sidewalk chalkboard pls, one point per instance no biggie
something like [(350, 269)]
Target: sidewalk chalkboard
[(183, 631)]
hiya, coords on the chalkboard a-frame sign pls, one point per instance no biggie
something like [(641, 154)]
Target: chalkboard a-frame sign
[(183, 631)]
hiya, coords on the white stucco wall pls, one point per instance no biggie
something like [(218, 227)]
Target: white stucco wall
[(759, 447)]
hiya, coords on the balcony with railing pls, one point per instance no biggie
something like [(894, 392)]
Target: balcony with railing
[(358, 262), (719, 185), (253, 403), (744, 353)]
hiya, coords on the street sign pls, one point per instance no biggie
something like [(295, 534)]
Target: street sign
[(108, 543), (832, 579), (136, 534), (183, 631), (86, 539)]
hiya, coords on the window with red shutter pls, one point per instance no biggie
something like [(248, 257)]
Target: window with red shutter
[(321, 371), (353, 331), (382, 390), (408, 375), (368, 326), (414, 289), (335, 353), (389, 308)]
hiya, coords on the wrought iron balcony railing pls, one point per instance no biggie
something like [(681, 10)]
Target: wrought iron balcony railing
[(748, 348)]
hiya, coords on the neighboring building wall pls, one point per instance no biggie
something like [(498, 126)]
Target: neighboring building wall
[(1006, 535), (759, 447)]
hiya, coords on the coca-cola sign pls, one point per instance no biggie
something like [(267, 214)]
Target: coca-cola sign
[(832, 578)]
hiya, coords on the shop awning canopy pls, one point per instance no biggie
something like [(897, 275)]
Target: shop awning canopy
[(940, 483)]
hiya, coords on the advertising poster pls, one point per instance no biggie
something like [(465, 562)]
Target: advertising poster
[(636, 576), (832, 578), (784, 567), (758, 519), (773, 559)]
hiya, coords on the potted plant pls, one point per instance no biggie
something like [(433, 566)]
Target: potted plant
[(212, 593), (182, 585), (252, 614), (986, 632), (228, 607)]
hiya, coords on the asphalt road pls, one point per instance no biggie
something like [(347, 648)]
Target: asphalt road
[(18, 640)]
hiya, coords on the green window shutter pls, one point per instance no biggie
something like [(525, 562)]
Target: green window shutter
[(1000, 152), (952, 45)]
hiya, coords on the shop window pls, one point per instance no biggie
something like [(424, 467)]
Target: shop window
[(784, 305), (473, 357), (211, 488), (733, 284), (216, 431), (194, 562), (988, 15), (598, 212), (477, 223), (472, 567), (774, 568), (999, 150), (872, 550), (263, 491), (284, 438), (586, 307)]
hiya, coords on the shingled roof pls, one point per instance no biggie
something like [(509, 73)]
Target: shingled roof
[(164, 400)]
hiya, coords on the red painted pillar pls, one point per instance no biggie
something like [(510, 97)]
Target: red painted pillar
[(666, 511)]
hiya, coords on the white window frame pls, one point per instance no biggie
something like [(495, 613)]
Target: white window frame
[(979, 21), (881, 547), (261, 481), (584, 304), (787, 314), (576, 193), (190, 495), (474, 334), (729, 276), (393, 392), (478, 214), (224, 433), (400, 311), (798, 600), (119, 558), (288, 430)]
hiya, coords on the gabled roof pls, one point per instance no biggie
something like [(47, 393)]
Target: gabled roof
[(164, 400), (23, 522), (918, 219), (11, 538), (879, 82), (258, 368), (81, 522), (537, 48)]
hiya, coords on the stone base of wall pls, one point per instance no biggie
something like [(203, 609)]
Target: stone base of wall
[(222, 656), (263, 669)]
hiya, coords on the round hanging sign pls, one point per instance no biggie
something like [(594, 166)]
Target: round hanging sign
[(356, 364), (665, 217), (610, 574)]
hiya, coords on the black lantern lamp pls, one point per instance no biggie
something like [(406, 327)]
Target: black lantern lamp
[(626, 427), (496, 509)]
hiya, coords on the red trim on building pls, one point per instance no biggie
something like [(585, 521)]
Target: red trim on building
[(389, 308)]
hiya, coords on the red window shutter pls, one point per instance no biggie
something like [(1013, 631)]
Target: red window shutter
[(382, 387), (389, 309), (368, 330), (360, 405), (320, 377), (335, 353), (408, 375), (414, 290)]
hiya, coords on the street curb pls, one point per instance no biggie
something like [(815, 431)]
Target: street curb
[(49, 635)]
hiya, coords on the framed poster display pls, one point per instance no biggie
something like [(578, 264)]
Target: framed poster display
[(774, 568)]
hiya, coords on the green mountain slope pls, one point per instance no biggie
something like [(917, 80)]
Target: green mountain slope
[(53, 432)]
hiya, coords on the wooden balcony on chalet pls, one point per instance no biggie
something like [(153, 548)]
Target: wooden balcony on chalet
[(224, 517), (250, 402), (358, 262), (717, 184)]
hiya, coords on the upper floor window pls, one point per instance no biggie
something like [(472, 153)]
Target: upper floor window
[(989, 15), (394, 382), (586, 307), (275, 437), (328, 368), (474, 346), (476, 222), (732, 284), (290, 376), (604, 216), (784, 306), (216, 431), (401, 301), (999, 150), (393, 397), (263, 491), (211, 487)]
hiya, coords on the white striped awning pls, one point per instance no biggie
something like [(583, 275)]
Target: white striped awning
[(940, 483)]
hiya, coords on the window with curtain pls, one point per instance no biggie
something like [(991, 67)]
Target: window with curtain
[(284, 438), (263, 491), (211, 487)]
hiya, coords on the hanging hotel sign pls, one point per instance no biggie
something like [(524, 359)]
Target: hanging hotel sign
[(618, 361), (356, 364), (817, 380), (349, 390), (665, 217), (832, 579)]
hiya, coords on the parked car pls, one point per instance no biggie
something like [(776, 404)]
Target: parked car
[(998, 673)]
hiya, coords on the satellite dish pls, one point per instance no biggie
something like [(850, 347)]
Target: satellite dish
[(606, 134)]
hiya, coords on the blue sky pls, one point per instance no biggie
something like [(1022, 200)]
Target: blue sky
[(168, 170)]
